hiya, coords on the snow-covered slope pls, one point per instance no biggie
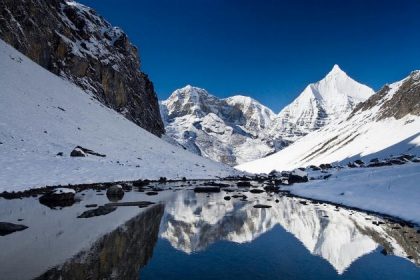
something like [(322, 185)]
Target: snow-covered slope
[(227, 130), (42, 115), (319, 104), (391, 190), (387, 123)]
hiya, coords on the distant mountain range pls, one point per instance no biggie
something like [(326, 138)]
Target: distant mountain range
[(239, 129)]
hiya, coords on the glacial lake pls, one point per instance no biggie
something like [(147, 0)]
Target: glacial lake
[(187, 235)]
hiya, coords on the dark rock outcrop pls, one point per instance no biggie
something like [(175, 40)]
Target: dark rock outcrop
[(207, 189), (82, 152), (100, 211), (406, 100), (73, 41), (115, 193), (60, 197), (8, 228)]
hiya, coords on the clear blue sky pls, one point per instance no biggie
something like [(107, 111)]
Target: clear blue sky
[(267, 49)]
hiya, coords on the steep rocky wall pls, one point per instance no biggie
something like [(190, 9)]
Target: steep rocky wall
[(73, 41)]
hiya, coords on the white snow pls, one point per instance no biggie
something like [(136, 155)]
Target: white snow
[(361, 135), (319, 104), (391, 190), (343, 141), (241, 128), (64, 190), (228, 130), (42, 115)]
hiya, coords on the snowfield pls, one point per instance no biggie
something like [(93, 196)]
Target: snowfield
[(362, 134), (43, 115), (391, 190)]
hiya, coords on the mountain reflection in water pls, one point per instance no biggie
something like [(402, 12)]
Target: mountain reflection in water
[(192, 222), (117, 255), (173, 239)]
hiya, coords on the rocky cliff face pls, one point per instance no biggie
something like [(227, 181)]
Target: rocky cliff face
[(73, 41), (396, 100)]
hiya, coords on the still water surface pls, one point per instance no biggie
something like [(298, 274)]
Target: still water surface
[(204, 236)]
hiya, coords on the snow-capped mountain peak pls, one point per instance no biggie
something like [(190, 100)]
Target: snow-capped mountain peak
[(189, 100), (239, 128), (335, 71), (388, 123), (333, 97), (230, 130)]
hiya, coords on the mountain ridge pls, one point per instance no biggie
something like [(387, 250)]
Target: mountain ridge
[(388, 123), (242, 129)]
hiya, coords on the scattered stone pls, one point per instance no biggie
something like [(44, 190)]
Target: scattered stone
[(152, 193), (141, 183), (214, 184), (77, 153), (240, 196), (359, 162), (298, 176), (8, 228), (314, 168), (91, 205), (379, 163), (304, 202), (351, 165), (226, 197), (325, 166), (140, 204), (100, 211), (398, 161), (416, 159), (256, 191), (162, 180), (82, 152), (277, 201), (60, 154), (115, 193), (325, 177), (262, 206), (207, 189), (244, 184), (59, 197)]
